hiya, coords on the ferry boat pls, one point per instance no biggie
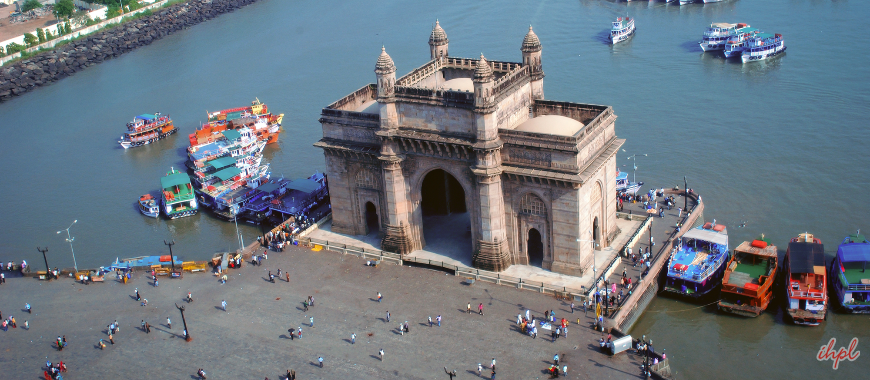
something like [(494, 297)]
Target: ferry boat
[(213, 189), (718, 34), (231, 143), (143, 261), (762, 46), (850, 274), (684, 2), (711, 1), (804, 269), (696, 267), (178, 197), (623, 185), (736, 43), (265, 126), (148, 206), (146, 129), (747, 286), (623, 29)]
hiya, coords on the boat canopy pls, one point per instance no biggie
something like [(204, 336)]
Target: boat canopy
[(268, 187), (146, 117), (856, 238), (304, 185), (764, 35), (804, 256), (232, 134), (176, 179), (723, 25), (222, 162), (850, 253), (228, 173), (706, 235), (769, 251), (621, 176)]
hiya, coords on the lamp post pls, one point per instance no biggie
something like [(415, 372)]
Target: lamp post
[(70, 239), (171, 259), (235, 211), (187, 336), (47, 271), (686, 197), (633, 159)]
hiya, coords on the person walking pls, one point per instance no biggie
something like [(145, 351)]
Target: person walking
[(111, 339), (320, 360), (288, 276), (438, 318), (299, 332), (101, 344), (353, 338), (224, 304), (430, 321), (468, 308), (189, 297), (388, 316), (479, 369), (271, 277), (380, 297), (311, 322), (168, 323), (26, 325), (556, 360), (572, 307), (480, 309), (381, 353), (492, 364), (27, 307), (138, 297), (147, 328), (143, 325), (155, 281)]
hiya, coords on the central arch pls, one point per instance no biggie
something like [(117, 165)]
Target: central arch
[(445, 218), (373, 223), (535, 248)]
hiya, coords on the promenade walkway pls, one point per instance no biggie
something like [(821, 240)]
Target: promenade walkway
[(250, 339)]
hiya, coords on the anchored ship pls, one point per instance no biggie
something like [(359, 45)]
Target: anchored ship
[(804, 270), (747, 287), (850, 274), (762, 46), (622, 29), (146, 129), (178, 198), (696, 267), (264, 125)]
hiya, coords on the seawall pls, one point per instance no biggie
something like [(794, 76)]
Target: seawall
[(48, 67)]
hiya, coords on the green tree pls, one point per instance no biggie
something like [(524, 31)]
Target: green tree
[(13, 48), (30, 5), (64, 8), (30, 39), (2, 52), (68, 27), (60, 29), (48, 36), (40, 34)]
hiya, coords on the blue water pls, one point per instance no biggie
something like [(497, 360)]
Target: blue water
[(779, 145)]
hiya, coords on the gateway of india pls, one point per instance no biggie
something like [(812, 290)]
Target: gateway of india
[(534, 179)]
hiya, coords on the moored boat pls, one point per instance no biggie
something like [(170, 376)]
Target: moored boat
[(762, 46), (148, 206), (265, 125), (623, 185), (231, 143), (718, 34), (697, 265), (736, 43), (178, 197), (804, 270), (747, 286), (143, 261), (147, 128), (622, 29), (684, 2), (850, 274)]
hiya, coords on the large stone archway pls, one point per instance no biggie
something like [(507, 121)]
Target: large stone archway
[(441, 216)]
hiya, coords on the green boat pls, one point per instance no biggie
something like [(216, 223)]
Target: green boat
[(178, 198)]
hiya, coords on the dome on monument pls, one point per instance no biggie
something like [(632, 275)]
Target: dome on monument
[(551, 125), (483, 70), (438, 36), (531, 43), (385, 64)]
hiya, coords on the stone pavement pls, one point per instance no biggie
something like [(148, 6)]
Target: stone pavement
[(250, 340), (450, 246)]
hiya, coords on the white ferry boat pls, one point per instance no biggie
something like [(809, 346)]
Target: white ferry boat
[(622, 29), (762, 46), (712, 1), (684, 2), (734, 46), (718, 34)]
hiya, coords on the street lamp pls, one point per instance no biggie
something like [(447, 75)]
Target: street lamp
[(47, 271), (235, 210), (187, 336), (70, 239), (686, 197), (634, 164)]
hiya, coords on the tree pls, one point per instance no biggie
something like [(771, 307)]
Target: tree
[(68, 27), (40, 34), (30, 5), (48, 36), (64, 8), (30, 39)]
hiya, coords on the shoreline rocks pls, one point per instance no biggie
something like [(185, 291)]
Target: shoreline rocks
[(51, 66)]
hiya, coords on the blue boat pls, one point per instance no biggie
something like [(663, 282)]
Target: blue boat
[(850, 274), (143, 261), (696, 267), (623, 185)]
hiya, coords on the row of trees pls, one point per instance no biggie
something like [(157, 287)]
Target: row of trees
[(42, 35), (63, 8)]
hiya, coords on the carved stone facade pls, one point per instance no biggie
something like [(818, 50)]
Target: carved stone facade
[(535, 174)]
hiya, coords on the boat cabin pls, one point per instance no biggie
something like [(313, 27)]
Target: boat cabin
[(702, 250), (851, 272), (806, 277), (752, 266)]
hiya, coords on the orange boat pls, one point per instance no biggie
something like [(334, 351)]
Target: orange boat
[(146, 129), (266, 126), (805, 285), (747, 286)]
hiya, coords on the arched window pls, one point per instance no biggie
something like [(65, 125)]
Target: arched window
[(597, 193), (532, 205)]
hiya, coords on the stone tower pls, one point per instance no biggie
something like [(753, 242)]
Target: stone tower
[(532, 57), (491, 246), (437, 42)]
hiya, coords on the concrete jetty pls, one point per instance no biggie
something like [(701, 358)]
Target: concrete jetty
[(250, 339)]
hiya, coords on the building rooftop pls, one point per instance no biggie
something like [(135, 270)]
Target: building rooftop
[(458, 84), (550, 125)]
